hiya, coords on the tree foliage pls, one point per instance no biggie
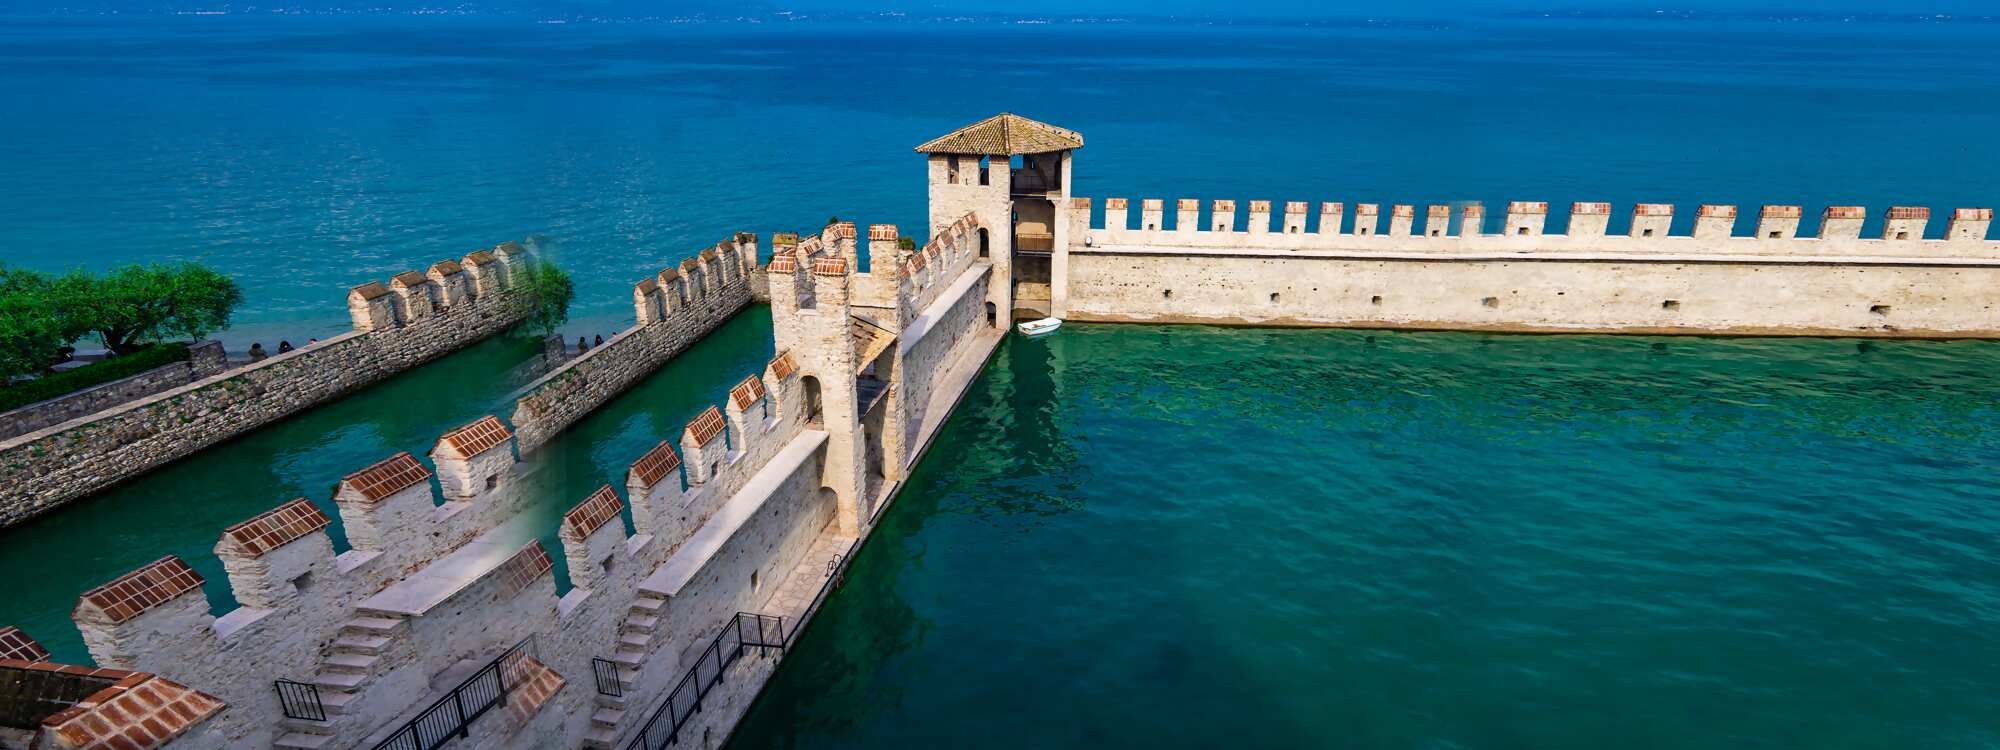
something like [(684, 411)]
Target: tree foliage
[(126, 309), (31, 331), (547, 291)]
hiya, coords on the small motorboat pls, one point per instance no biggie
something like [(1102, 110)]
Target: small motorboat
[(1039, 327)]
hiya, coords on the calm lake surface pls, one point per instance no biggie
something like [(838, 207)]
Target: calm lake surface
[(1139, 535)]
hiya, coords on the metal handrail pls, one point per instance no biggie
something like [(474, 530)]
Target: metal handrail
[(300, 700), (745, 631), (836, 572), (452, 715), (606, 672)]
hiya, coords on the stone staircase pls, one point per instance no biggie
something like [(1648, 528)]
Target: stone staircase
[(636, 634), (341, 677)]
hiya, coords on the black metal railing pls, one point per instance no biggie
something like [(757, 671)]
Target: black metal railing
[(743, 632), (606, 672), (300, 700), (452, 715)]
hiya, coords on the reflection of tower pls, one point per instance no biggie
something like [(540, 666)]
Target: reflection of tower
[(810, 320), (1012, 172)]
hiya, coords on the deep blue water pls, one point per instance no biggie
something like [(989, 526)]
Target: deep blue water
[(305, 155)]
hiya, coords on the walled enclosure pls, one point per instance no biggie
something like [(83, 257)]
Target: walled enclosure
[(1449, 274), (205, 358), (673, 310), (418, 316)]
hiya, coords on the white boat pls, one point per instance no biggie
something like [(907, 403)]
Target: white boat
[(1039, 327)]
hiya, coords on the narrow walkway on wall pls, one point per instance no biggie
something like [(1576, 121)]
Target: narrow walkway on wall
[(180, 510)]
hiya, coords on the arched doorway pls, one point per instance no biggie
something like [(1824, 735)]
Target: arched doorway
[(812, 397), (984, 249), (992, 315)]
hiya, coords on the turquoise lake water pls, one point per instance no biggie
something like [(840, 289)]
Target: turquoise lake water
[(1131, 536), (1196, 537)]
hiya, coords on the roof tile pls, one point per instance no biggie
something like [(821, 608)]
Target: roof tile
[(590, 515), (387, 477), (478, 437), (15, 644), (130, 595), (139, 712), (446, 267), (524, 567), (656, 464), (747, 392), (1004, 134), (782, 365), (408, 279), (370, 290), (703, 428), (276, 527)]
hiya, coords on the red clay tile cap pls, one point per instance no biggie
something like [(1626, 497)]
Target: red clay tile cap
[(1187, 204), (1845, 212), (1972, 214), (705, 427), (409, 279), (1260, 207), (1473, 209), (130, 595), (476, 438), (446, 267), (782, 365), (1438, 212), (1295, 207), (1115, 203), (590, 515), (1716, 211), (831, 266), (1225, 204), (387, 477), (1584, 209), (646, 286), (883, 232), (668, 276), (707, 255), (524, 567), (1330, 208), (689, 265), (784, 263), (370, 290), (1909, 212), (1370, 209), (1152, 204), (535, 684), (140, 712), (1653, 209), (15, 644), (509, 248), (1528, 207), (1079, 202), (918, 261), (1403, 209), (276, 527), (479, 258), (1782, 212), (747, 392), (656, 464), (843, 230)]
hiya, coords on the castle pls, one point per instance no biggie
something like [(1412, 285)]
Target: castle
[(441, 625)]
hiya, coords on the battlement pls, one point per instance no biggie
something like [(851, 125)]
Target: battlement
[(413, 296), (1650, 229)]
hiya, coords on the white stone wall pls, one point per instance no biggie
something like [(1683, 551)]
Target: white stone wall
[(924, 355)]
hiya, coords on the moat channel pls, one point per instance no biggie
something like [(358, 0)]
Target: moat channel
[(1152, 536)]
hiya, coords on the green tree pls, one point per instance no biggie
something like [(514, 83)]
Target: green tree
[(137, 304), (546, 291), (31, 331)]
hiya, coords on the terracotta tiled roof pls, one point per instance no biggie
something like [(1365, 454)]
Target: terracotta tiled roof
[(387, 477), (1004, 134), (1331, 208), (1909, 212), (689, 265), (647, 286), (524, 567), (409, 279), (1653, 209), (708, 254), (590, 515), (138, 712), (784, 263), (370, 290), (1474, 209), (1404, 210), (1079, 202), (1117, 204), (782, 365), (1528, 207), (830, 266), (132, 594), (1716, 211), (782, 239), (1846, 212), (1295, 207), (1973, 214), (668, 276), (446, 267), (534, 684), (844, 230), (1260, 207), (1187, 204), (656, 464), (747, 392), (1782, 212), (705, 427), (1438, 212), (15, 644), (478, 437), (276, 527), (882, 232), (1589, 208), (507, 248), (1367, 209), (479, 258)]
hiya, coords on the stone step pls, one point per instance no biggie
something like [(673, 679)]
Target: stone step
[(607, 717), (634, 640), (641, 623), (302, 741), (335, 702), (600, 738), (370, 626), (338, 681), (361, 644), (628, 658), (648, 605), (307, 726), (628, 678), (351, 662)]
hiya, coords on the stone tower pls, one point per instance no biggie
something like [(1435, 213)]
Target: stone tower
[(1012, 172)]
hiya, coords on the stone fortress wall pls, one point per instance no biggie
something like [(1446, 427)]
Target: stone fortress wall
[(1448, 272), (205, 358), (417, 317), (673, 310)]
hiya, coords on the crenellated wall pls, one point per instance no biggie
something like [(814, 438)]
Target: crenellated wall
[(673, 310), (1448, 272), (415, 318)]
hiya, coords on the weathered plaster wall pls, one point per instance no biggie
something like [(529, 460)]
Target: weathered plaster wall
[(673, 311), (205, 358), (1712, 283), (927, 351), (398, 327)]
